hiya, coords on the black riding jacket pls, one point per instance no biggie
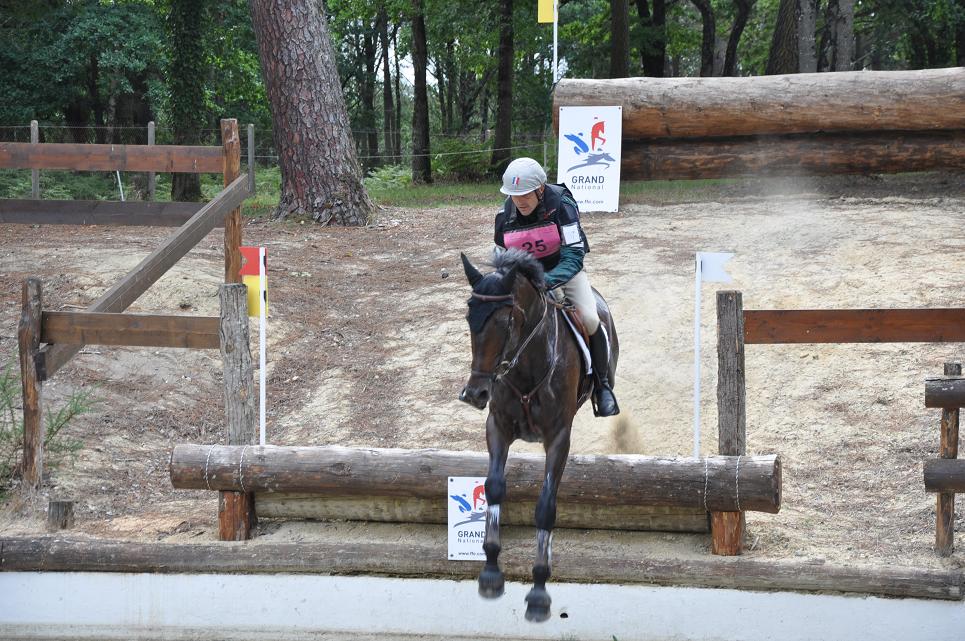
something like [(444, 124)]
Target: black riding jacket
[(552, 233)]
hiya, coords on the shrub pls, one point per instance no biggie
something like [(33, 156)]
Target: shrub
[(389, 177), (461, 159)]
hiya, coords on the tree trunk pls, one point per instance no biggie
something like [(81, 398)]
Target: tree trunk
[(807, 25), (369, 124), (320, 172), (441, 81), (504, 91), (388, 109), (619, 38), (397, 142), (783, 56), (421, 165), (960, 33), (484, 113), (842, 30), (187, 21), (708, 38), (740, 21), (653, 48)]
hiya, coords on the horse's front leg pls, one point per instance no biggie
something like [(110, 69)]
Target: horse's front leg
[(538, 600), (491, 580)]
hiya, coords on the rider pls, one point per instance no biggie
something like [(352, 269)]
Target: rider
[(544, 220)]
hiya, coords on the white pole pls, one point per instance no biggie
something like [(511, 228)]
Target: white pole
[(262, 344), (697, 279), (119, 185), (556, 24)]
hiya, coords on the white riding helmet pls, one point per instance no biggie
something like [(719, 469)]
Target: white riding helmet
[(522, 176)]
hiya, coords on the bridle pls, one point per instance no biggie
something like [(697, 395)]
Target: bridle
[(503, 368)]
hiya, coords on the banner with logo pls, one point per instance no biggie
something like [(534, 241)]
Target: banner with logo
[(589, 155), (467, 517)]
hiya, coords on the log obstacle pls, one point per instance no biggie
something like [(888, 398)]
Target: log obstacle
[(596, 492), (946, 475), (827, 123)]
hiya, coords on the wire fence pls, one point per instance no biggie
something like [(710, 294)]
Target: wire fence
[(453, 146)]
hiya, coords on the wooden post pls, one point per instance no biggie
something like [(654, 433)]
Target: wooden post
[(251, 159), (33, 425), (34, 173), (60, 515), (151, 177), (232, 223), (945, 508), (727, 528), (236, 510)]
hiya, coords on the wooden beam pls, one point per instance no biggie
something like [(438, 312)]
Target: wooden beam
[(320, 507), (854, 326), (727, 526), (28, 337), (944, 475), (817, 154), (138, 330), (796, 103), (97, 212), (164, 158), (948, 449), (574, 562), (600, 480), (231, 143), (947, 392), (148, 271)]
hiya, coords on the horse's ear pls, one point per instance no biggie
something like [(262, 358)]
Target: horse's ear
[(509, 279), (471, 272)]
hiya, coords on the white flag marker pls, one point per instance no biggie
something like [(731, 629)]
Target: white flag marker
[(708, 268)]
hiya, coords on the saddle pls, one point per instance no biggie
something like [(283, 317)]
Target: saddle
[(575, 323)]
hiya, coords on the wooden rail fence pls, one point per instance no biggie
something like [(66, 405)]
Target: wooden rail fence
[(737, 327), (49, 339)]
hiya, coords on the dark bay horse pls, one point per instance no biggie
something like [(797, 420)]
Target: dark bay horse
[(526, 366)]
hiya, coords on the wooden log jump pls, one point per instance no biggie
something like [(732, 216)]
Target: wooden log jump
[(846, 122), (401, 483), (946, 475), (946, 393)]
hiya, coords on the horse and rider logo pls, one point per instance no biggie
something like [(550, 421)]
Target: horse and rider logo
[(476, 510), (595, 152)]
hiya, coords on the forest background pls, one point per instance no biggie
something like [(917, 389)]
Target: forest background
[(95, 71)]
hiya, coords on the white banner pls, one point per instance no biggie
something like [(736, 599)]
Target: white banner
[(589, 155), (467, 517)]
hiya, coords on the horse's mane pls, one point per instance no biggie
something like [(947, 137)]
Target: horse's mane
[(523, 261)]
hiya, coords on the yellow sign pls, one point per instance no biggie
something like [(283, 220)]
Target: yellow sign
[(544, 11), (254, 287)]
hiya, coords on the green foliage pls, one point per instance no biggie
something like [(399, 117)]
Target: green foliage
[(389, 177), (57, 444), (461, 159)]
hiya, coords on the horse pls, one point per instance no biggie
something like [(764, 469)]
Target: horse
[(527, 367)]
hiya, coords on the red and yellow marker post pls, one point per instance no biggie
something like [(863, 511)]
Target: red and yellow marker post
[(254, 274)]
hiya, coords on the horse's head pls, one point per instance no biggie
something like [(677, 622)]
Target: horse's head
[(500, 305)]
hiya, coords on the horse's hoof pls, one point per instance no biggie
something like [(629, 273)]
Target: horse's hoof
[(538, 605), (491, 583)]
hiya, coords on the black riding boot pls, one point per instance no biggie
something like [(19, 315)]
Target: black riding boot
[(604, 402)]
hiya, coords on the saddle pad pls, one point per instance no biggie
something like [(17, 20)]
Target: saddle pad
[(584, 350)]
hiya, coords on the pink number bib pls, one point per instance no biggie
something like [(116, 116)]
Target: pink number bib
[(539, 240)]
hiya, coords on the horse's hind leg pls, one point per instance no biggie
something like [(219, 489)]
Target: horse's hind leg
[(491, 581), (538, 600)]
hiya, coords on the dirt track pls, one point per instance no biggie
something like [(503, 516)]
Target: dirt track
[(368, 346)]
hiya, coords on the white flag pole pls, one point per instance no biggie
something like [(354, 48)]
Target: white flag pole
[(262, 343), (697, 281), (556, 24)]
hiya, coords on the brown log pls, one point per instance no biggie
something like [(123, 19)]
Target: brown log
[(815, 154), (947, 392), (148, 271), (727, 533), (727, 526), (166, 158), (282, 505), (28, 337), (576, 559), (944, 475), (97, 212), (945, 501), (232, 220), (601, 480), (143, 330), (930, 99), (60, 515), (771, 326), (236, 509)]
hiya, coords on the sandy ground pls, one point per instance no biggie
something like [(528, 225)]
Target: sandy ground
[(368, 346)]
